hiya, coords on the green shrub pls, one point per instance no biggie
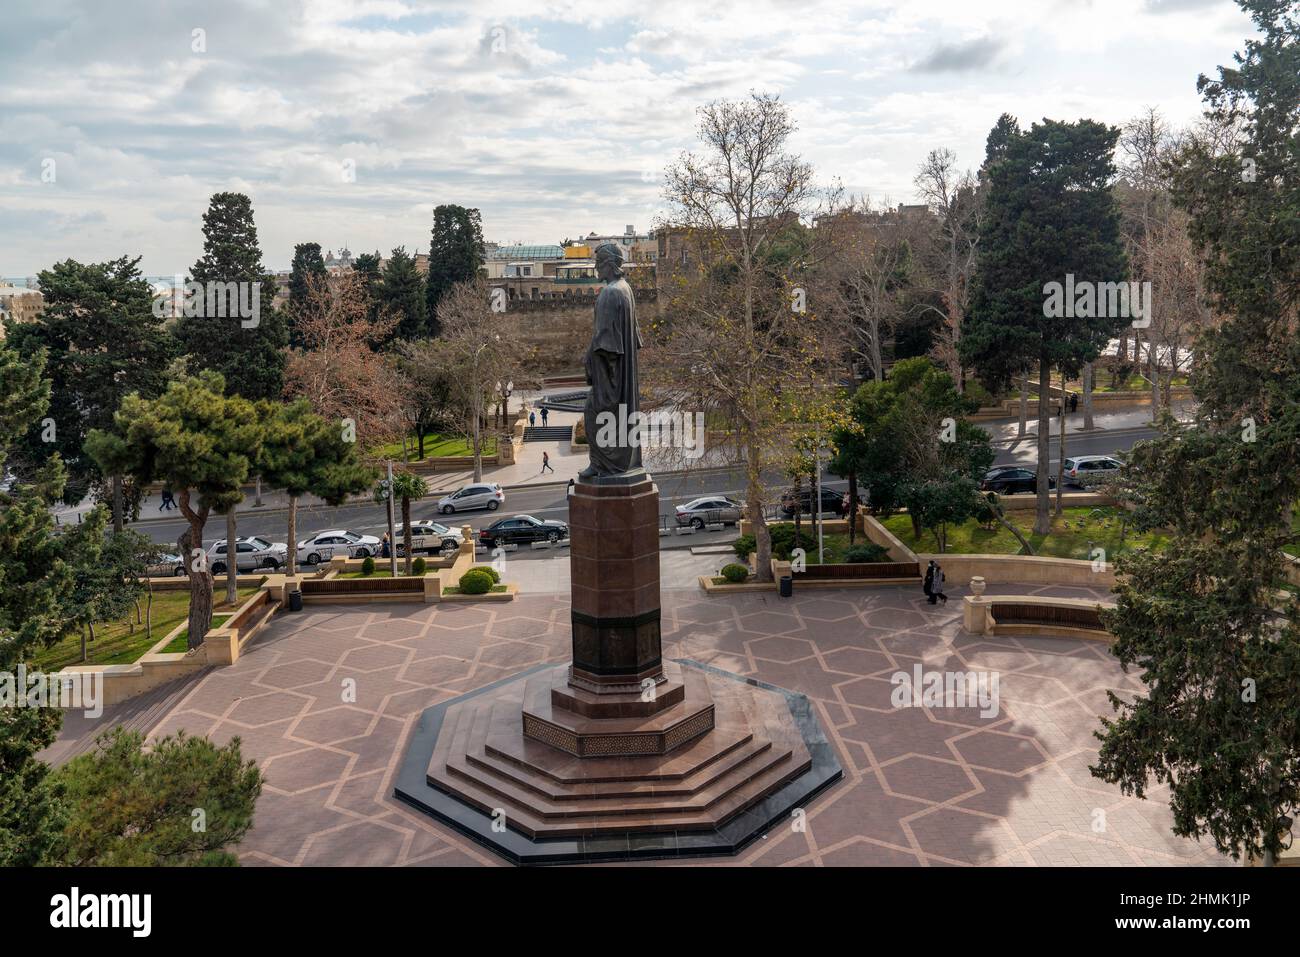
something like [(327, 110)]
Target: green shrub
[(783, 543), (735, 573), (476, 581), (492, 573), (865, 553), (368, 566), (744, 546), (418, 566)]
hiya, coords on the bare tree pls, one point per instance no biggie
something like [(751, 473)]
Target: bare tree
[(957, 204), (479, 345), (732, 335), (337, 368)]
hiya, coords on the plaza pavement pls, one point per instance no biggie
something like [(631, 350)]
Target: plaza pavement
[(922, 786)]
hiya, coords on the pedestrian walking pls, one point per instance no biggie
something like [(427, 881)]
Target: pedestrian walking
[(385, 547), (1074, 401), (928, 583), (934, 583), (544, 414), (546, 463), (168, 500), (532, 418)]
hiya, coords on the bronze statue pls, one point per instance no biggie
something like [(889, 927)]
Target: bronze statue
[(612, 415)]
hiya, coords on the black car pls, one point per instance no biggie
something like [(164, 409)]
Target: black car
[(832, 501), (522, 530), (1011, 479)]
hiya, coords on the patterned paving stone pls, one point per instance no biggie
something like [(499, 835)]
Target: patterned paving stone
[(931, 786)]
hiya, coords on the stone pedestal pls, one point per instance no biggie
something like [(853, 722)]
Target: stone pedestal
[(619, 753)]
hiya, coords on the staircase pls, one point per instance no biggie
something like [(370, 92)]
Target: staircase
[(548, 433)]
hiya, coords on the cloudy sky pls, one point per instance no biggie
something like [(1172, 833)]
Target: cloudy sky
[(554, 118)]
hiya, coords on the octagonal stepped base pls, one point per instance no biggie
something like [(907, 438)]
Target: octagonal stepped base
[(471, 765)]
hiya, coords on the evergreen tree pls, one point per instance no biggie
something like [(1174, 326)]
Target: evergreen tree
[(455, 255), (1049, 214), (367, 268), (307, 262), (249, 358), (401, 294), (98, 323), (1206, 623)]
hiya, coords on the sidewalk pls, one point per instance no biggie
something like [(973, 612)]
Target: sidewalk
[(1132, 417)]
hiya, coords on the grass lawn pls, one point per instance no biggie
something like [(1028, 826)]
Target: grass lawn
[(1070, 535), (377, 573), (834, 545), (455, 589), (436, 447), (114, 643)]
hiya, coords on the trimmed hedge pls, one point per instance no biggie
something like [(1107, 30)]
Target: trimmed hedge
[(368, 566), (735, 573), (476, 581), (418, 566)]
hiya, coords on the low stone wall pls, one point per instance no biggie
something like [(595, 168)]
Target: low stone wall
[(1021, 569), (1035, 615)]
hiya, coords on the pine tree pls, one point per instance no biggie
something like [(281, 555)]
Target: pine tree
[(307, 262), (249, 358), (455, 255), (401, 293)]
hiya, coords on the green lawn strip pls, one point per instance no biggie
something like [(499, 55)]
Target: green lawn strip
[(455, 590), (114, 643), (436, 447), (1070, 537), (377, 573)]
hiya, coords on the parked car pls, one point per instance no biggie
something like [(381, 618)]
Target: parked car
[(832, 501), (323, 546), (1083, 470), (709, 510), (522, 530), (251, 553), (1012, 479), (166, 565), (428, 537), (486, 495)]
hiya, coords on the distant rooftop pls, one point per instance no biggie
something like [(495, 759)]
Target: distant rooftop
[(526, 252)]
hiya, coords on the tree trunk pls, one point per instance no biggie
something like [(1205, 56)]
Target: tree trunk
[(119, 505), (232, 559), (257, 502), (853, 506), (478, 446), (406, 530), (1087, 396), (1153, 364), (200, 617), (148, 614), (798, 508), (762, 537), (85, 653), (1042, 520), (1060, 465), (1024, 408), (292, 543), (420, 437), (1006, 523)]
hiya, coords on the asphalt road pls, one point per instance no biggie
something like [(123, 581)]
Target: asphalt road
[(550, 501)]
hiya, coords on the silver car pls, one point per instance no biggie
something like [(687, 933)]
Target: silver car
[(250, 554), (1086, 470), (709, 510), (428, 537), (486, 495), (323, 546), (167, 565)]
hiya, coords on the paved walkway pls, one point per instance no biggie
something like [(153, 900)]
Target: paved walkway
[(923, 785)]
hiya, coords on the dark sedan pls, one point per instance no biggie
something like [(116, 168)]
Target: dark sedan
[(832, 501), (522, 530), (1010, 480)]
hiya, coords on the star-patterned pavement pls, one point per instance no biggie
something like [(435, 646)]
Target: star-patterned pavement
[(325, 699)]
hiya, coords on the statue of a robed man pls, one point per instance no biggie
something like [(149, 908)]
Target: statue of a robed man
[(613, 406)]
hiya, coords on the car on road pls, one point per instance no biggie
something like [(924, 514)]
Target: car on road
[(486, 495), (708, 510), (522, 530), (831, 499), (1012, 480), (323, 546), (1084, 470), (167, 565), (428, 537), (251, 553)]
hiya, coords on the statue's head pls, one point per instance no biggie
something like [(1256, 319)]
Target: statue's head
[(609, 261)]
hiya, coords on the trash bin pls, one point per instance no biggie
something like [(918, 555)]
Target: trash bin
[(295, 600), (787, 586)]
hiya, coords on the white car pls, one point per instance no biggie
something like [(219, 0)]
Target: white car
[(167, 565), (323, 546), (428, 537), (251, 553), (1084, 470), (486, 495)]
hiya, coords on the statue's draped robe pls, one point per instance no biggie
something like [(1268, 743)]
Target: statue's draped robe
[(611, 371)]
